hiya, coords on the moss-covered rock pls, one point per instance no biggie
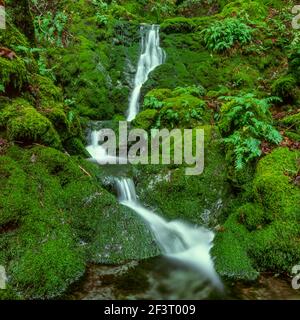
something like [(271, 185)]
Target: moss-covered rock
[(145, 119), (24, 123), (199, 199), (265, 231), (55, 218), (285, 87), (12, 73)]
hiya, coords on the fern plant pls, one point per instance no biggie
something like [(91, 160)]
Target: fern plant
[(50, 28), (152, 102), (196, 91), (222, 35), (244, 123)]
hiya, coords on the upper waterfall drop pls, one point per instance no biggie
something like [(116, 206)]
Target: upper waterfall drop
[(152, 56)]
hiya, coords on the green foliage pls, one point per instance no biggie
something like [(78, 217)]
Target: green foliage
[(245, 121), (41, 61), (51, 28), (196, 91), (101, 14), (152, 102), (162, 9), (223, 35), (252, 9)]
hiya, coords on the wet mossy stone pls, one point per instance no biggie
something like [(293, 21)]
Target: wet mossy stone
[(230, 252), (199, 199), (273, 186), (24, 123), (64, 219)]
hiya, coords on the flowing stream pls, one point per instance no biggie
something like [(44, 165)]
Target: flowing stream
[(179, 241), (152, 55)]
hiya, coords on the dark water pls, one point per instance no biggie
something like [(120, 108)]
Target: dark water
[(162, 279)]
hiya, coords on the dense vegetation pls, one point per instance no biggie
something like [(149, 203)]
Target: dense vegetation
[(232, 69)]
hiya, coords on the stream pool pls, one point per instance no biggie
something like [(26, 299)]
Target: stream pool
[(162, 279)]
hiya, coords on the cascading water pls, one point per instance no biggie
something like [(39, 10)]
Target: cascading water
[(178, 240), (152, 55)]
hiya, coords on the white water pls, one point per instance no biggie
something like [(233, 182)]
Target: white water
[(178, 240), (97, 152), (152, 55)]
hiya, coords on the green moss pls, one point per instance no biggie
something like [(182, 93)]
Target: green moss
[(12, 36), (194, 198), (24, 123), (253, 217), (182, 107), (292, 122), (276, 247), (231, 259), (13, 72), (284, 87), (272, 187), (48, 269), (63, 219), (12, 177), (178, 25), (253, 9), (159, 94), (266, 231), (145, 119)]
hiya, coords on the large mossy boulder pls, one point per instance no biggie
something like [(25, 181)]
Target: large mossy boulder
[(200, 199), (266, 230), (182, 107), (55, 218), (24, 123)]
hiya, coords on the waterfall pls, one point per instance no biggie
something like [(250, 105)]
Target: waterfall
[(178, 240), (152, 55)]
